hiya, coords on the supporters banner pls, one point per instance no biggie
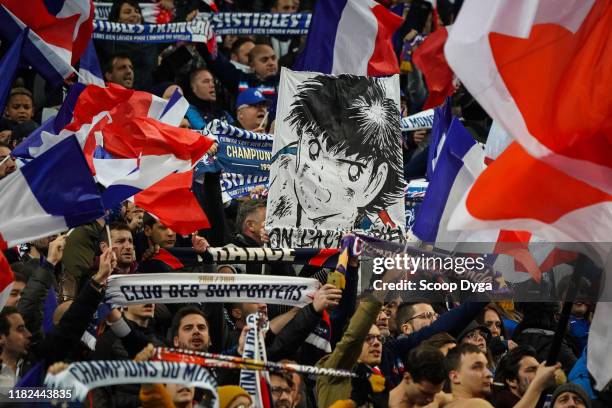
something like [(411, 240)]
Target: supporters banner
[(337, 161), (211, 287), (418, 121), (230, 23), (240, 185), (256, 382), (243, 156), (193, 31), (81, 377), (241, 151), (258, 23), (326, 258)]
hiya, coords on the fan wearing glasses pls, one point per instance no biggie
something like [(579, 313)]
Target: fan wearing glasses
[(281, 385), (412, 317), (418, 321)]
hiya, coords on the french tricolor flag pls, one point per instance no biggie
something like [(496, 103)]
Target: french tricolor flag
[(50, 194), (459, 161), (129, 138), (351, 37), (59, 31)]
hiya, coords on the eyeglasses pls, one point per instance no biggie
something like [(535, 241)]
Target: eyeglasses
[(474, 335), (278, 391), (371, 337), (426, 316)]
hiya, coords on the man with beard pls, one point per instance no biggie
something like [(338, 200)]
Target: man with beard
[(122, 245), (120, 70), (382, 322), (189, 329), (412, 317), (14, 340), (281, 385), (523, 378), (516, 371)]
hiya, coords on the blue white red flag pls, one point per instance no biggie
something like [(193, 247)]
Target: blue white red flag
[(58, 35), (535, 69), (337, 26), (48, 195), (441, 124), (155, 151), (172, 201), (129, 138), (459, 161), (89, 67)]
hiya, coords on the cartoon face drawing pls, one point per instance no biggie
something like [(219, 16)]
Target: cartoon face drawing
[(337, 159), (331, 184), (348, 163)]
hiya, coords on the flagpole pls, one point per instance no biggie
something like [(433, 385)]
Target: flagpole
[(110, 241), (570, 297)]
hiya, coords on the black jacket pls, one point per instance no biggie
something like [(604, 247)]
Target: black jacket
[(110, 347), (63, 342)]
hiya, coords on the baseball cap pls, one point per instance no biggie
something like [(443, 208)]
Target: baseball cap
[(250, 96)]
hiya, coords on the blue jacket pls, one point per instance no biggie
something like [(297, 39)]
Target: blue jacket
[(580, 375), (579, 329), (199, 118)]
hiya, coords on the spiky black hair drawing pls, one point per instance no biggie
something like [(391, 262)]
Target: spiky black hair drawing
[(351, 115)]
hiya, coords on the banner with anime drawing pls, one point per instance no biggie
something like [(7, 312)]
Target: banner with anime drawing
[(336, 160)]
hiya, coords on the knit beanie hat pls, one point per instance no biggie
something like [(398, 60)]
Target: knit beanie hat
[(573, 388), (228, 393)]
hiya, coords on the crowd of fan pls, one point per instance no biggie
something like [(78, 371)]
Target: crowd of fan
[(470, 355)]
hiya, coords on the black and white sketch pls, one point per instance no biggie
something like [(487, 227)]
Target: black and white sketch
[(337, 161)]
